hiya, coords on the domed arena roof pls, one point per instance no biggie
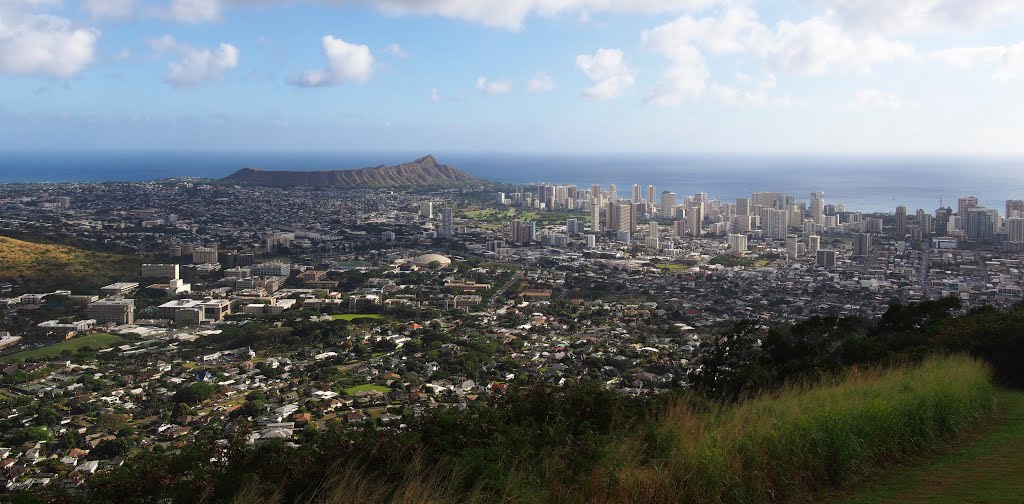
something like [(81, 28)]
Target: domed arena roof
[(428, 259)]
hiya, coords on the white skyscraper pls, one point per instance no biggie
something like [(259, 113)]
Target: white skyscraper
[(1015, 229), (776, 225), (427, 209), (668, 204), (737, 242), (818, 207), (792, 246), (743, 206)]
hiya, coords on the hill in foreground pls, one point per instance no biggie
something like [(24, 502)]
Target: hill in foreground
[(423, 172), (40, 267)]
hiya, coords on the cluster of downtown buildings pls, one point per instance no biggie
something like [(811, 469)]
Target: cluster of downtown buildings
[(550, 282)]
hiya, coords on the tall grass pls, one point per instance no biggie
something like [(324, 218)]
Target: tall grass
[(784, 446), (802, 440)]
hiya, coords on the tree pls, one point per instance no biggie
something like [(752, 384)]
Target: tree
[(194, 393), (729, 363)]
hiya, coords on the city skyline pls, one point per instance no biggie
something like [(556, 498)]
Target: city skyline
[(830, 76)]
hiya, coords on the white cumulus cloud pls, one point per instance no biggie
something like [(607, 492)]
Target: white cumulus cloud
[(1005, 62), (489, 87), (35, 43), (608, 69), (194, 11), (896, 16), (510, 14), (109, 9), (195, 65), (345, 62)]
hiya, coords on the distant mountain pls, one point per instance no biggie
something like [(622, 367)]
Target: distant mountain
[(423, 172)]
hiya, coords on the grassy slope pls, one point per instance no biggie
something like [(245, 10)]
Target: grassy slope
[(44, 268), (803, 441), (988, 467), (785, 447), (96, 341)]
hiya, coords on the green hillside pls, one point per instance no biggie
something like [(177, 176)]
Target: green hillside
[(42, 267), (987, 466)]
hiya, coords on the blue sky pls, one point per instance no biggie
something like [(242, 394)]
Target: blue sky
[(743, 76)]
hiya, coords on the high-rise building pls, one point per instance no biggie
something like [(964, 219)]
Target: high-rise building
[(861, 244), (650, 195), (792, 246), (737, 242), (591, 241), (613, 192), (427, 209), (963, 205), (668, 204), (652, 229), (1015, 229), (776, 223), (546, 195), (694, 220), (826, 258), (117, 311), (743, 206), (637, 196), (813, 245), (818, 207), (900, 227), (980, 224), (447, 226), (204, 255), (740, 224), (621, 216), (1014, 208), (595, 190), (523, 232), (595, 218), (679, 228)]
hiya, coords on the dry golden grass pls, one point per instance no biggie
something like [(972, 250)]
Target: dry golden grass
[(43, 267)]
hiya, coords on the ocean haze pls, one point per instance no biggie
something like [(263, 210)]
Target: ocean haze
[(864, 183)]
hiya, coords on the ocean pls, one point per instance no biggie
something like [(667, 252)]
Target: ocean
[(863, 183)]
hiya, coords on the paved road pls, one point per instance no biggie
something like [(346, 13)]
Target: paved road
[(501, 291)]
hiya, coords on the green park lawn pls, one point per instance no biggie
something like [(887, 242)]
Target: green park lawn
[(367, 387), (353, 316), (95, 341), (672, 268)]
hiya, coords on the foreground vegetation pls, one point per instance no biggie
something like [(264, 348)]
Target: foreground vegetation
[(40, 267), (982, 468), (799, 441), (790, 413)]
